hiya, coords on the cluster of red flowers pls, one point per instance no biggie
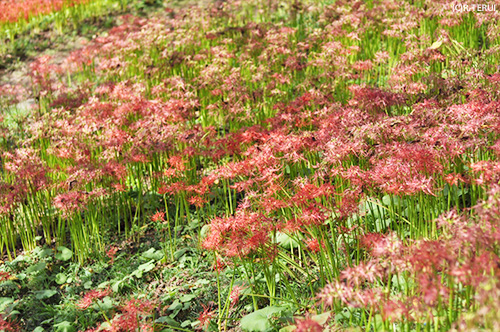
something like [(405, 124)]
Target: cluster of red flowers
[(12, 11), (464, 254), (8, 326), (240, 235), (11, 94), (91, 296), (130, 319)]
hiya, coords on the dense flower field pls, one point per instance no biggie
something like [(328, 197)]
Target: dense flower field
[(11, 11), (336, 162)]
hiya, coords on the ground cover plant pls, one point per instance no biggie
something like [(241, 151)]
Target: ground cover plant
[(258, 166)]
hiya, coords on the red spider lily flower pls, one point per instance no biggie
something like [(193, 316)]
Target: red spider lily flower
[(362, 65), (382, 57), (362, 273), (94, 329), (235, 295), (239, 235), (219, 265), (373, 100), (395, 310), (70, 202), (91, 296), (309, 191), (117, 171), (178, 163), (496, 148), (131, 318), (146, 327), (453, 178), (370, 240), (162, 190), (311, 216), (173, 189), (197, 201), (139, 158), (489, 172), (313, 245), (308, 325), (111, 253), (159, 216), (12, 94), (26, 165), (205, 316), (8, 326), (270, 204), (119, 187)]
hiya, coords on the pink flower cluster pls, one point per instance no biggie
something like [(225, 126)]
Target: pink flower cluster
[(12, 11)]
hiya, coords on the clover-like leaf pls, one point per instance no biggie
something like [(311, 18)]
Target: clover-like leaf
[(259, 321), (64, 327), (61, 278), (64, 254)]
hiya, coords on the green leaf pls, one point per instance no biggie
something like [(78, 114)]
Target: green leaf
[(175, 305), (36, 268), (5, 302), (204, 231), (105, 325), (167, 321), (321, 319), (381, 225), (146, 267), (388, 200), (64, 253), (102, 285), (437, 44), (187, 298), (186, 323), (342, 316), (378, 322), (61, 278), (153, 254), (202, 282), (45, 294), (39, 329), (20, 258), (179, 253), (42, 253), (64, 327), (47, 321), (289, 328), (106, 303), (260, 320), (118, 285), (285, 241)]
